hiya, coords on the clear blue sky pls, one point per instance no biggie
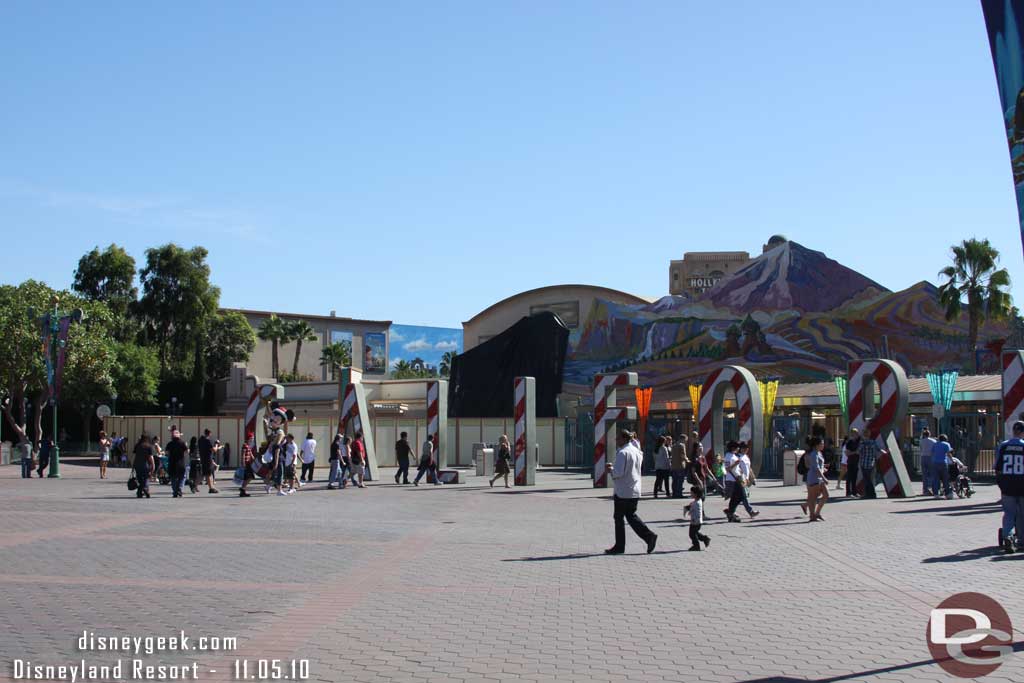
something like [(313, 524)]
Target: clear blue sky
[(418, 161)]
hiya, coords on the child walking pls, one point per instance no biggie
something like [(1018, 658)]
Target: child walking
[(697, 519)]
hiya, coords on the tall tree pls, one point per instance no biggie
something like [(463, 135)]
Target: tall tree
[(22, 373), (107, 276), (300, 331), (135, 374), (230, 339), (176, 305), (275, 331), (336, 356), (447, 360), (974, 281)]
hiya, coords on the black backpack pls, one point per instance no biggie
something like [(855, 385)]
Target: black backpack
[(801, 465)]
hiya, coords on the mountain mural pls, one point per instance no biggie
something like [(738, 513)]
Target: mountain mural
[(791, 277), (792, 312)]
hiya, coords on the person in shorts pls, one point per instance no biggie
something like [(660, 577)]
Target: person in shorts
[(291, 451), (357, 461), (206, 460), (817, 484)]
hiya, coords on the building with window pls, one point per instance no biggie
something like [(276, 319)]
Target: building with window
[(569, 302), (699, 271), (359, 334)]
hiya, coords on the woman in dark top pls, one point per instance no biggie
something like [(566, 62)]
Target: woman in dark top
[(503, 461), (144, 466)]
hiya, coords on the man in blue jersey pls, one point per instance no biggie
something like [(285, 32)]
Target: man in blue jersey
[(1009, 469)]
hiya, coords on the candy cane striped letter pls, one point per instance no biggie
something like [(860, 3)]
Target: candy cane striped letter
[(606, 413)]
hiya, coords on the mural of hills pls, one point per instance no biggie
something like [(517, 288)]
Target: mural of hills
[(792, 312), (791, 277)]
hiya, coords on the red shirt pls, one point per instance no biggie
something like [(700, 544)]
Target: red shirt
[(357, 452)]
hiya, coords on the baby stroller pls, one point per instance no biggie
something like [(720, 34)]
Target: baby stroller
[(961, 482), (161, 471)]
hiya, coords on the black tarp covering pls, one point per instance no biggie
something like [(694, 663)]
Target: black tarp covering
[(481, 379)]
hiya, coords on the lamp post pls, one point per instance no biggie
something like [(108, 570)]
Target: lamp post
[(113, 398), (173, 407), (54, 327)]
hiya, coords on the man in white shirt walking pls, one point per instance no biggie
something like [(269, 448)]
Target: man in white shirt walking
[(308, 459), (625, 473)]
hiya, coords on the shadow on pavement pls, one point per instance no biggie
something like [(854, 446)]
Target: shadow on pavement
[(990, 552), (953, 509), (583, 556), (1017, 647)]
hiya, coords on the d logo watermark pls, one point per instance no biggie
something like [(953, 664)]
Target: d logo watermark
[(970, 635)]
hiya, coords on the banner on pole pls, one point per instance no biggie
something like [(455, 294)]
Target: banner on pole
[(1002, 18)]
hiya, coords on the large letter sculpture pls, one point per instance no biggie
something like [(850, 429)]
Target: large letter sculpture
[(437, 426), (353, 412), (1013, 390), (879, 426), (606, 414), (749, 415), (525, 430), (260, 398)]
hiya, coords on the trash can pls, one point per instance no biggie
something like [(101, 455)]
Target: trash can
[(485, 462), (5, 453), (789, 473)]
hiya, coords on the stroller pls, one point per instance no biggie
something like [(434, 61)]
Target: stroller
[(161, 471), (960, 481)]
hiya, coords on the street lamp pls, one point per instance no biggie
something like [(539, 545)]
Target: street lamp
[(174, 408), (113, 397), (54, 327)]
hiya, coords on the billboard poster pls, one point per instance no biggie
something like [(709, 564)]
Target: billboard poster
[(343, 337), (423, 351), (1002, 18), (374, 353)]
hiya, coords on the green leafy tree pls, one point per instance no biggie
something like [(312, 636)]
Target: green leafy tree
[(275, 331), (136, 374), (300, 331), (88, 372), (109, 276), (22, 372), (447, 360), (975, 282), (177, 303), (336, 356), (230, 339), (403, 370)]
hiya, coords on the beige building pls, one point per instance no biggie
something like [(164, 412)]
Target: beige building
[(569, 302), (328, 328), (699, 271)]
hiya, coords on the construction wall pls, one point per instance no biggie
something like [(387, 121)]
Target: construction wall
[(462, 434)]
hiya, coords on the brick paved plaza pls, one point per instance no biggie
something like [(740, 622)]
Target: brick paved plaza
[(467, 583)]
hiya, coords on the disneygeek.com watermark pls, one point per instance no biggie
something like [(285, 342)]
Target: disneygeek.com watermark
[(970, 635), (133, 668)]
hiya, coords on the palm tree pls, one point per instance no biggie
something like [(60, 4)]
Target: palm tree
[(299, 332), (337, 356), (974, 281), (447, 360), (402, 370), (274, 330)]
